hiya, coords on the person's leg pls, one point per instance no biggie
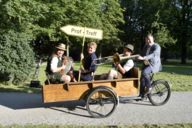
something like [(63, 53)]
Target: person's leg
[(70, 73), (145, 80), (146, 74), (66, 78), (87, 77), (112, 74), (142, 86), (103, 76), (76, 74)]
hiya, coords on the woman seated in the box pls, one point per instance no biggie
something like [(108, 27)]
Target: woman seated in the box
[(57, 66), (122, 69)]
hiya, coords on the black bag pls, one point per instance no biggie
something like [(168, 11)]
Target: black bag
[(35, 84)]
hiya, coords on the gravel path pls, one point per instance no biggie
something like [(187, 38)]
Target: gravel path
[(22, 108)]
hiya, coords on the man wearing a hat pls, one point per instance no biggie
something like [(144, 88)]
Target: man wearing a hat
[(55, 65), (122, 69)]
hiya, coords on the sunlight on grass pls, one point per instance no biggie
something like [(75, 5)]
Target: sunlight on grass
[(180, 77), (19, 88)]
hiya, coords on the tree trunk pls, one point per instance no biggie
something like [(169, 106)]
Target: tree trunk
[(183, 51), (184, 34)]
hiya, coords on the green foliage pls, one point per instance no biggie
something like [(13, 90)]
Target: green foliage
[(40, 20), (143, 17), (22, 16), (16, 57), (162, 35), (169, 20), (100, 14)]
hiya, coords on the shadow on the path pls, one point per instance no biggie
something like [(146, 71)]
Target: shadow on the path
[(135, 101), (29, 100), (72, 111)]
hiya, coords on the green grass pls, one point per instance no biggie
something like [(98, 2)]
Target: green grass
[(123, 126), (19, 88), (180, 77)]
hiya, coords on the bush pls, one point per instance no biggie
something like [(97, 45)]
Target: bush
[(16, 57)]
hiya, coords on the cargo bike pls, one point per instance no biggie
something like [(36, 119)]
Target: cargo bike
[(102, 96)]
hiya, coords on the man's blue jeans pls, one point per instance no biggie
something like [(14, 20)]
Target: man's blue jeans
[(145, 79)]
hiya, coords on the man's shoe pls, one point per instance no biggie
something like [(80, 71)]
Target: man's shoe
[(140, 97), (148, 91)]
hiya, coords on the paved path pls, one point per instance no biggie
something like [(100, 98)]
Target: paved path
[(22, 108)]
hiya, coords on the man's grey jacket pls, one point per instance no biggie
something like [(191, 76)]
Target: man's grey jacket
[(153, 56)]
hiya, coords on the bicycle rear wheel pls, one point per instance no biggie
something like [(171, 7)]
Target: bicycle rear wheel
[(101, 102), (160, 93)]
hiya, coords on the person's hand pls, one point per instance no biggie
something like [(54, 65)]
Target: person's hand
[(82, 56), (116, 64), (140, 58), (65, 62), (81, 70), (63, 67)]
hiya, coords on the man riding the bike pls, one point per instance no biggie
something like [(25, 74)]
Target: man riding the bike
[(152, 63)]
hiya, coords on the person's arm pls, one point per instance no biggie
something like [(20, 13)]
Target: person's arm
[(142, 54), (120, 68), (156, 52), (92, 67), (129, 64), (54, 67)]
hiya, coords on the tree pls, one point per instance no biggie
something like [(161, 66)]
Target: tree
[(100, 14), (16, 57), (182, 28), (142, 17), (39, 22), (17, 30)]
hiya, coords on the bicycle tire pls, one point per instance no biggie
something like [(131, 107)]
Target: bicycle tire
[(100, 99), (160, 93)]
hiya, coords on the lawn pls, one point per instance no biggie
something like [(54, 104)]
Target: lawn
[(179, 76)]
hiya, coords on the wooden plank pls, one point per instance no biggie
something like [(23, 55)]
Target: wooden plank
[(135, 72)]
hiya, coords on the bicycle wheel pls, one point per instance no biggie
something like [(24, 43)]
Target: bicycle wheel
[(160, 93), (101, 102)]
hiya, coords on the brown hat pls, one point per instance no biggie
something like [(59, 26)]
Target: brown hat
[(130, 47), (61, 47)]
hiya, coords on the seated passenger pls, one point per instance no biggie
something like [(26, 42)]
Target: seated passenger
[(122, 70), (55, 66), (89, 67)]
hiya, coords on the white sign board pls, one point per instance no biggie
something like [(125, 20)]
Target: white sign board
[(83, 31)]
